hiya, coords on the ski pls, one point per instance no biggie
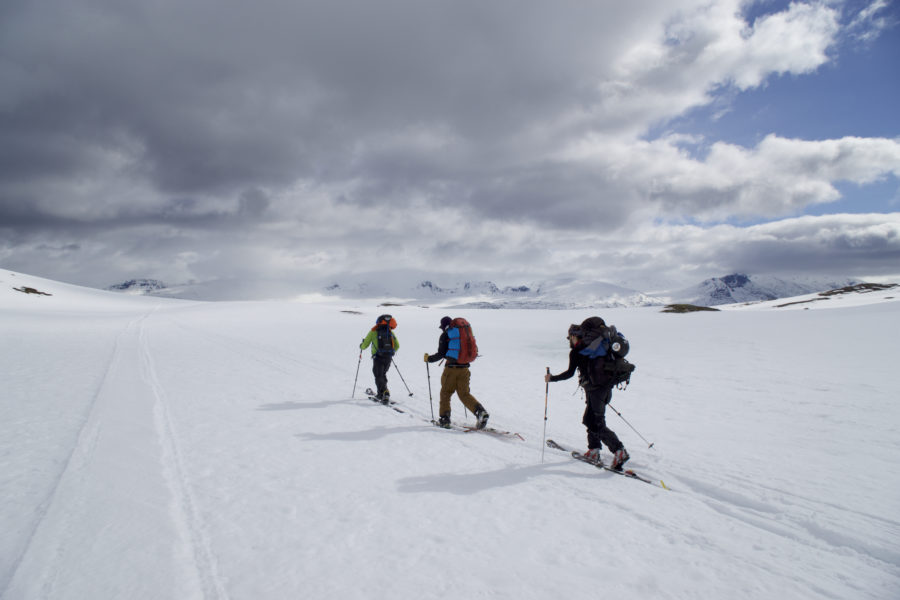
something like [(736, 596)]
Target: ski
[(489, 430), (370, 393), (625, 472), (494, 431), (374, 398)]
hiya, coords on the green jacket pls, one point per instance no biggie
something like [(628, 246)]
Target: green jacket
[(372, 340)]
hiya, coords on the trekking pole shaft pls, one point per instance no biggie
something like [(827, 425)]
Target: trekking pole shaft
[(649, 444), (357, 374), (401, 377), (430, 401), (546, 402)]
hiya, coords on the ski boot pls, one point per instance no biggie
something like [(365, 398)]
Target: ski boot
[(593, 456), (619, 459), (481, 418)]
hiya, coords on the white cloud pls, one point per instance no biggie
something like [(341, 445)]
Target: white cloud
[(795, 41), (704, 47), (871, 22), (778, 177)]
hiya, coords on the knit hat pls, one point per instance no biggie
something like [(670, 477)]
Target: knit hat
[(445, 322)]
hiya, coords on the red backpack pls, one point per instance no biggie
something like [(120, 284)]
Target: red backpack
[(462, 341)]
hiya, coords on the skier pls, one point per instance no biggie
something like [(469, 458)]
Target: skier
[(455, 378), (384, 344), (598, 393)]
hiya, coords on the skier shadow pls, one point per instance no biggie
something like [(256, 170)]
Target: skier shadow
[(367, 435), (301, 405), (465, 484)]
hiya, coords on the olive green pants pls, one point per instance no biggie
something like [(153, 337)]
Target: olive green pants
[(455, 379)]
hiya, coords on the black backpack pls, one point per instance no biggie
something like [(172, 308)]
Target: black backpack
[(606, 347), (384, 344)]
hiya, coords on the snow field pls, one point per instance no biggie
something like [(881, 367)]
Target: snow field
[(160, 449)]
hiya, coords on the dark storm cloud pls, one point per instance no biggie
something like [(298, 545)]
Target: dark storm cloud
[(210, 98), (858, 245), (253, 204)]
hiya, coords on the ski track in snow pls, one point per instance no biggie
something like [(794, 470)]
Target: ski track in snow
[(791, 514), (131, 346), (793, 521), (79, 455), (186, 512)]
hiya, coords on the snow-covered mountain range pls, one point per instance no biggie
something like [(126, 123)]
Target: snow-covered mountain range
[(552, 294), (562, 293)]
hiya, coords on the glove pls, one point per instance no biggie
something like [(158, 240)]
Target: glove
[(426, 357)]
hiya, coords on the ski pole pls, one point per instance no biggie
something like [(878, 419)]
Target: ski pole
[(401, 377), (649, 444), (357, 374), (430, 401), (546, 401)]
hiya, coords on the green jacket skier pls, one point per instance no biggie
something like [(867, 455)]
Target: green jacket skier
[(384, 344)]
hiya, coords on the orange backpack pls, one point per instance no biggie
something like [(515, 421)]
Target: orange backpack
[(462, 345)]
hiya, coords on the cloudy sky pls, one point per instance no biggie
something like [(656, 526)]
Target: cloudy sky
[(652, 143)]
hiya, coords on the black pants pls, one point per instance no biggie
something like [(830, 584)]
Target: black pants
[(380, 366), (598, 434)]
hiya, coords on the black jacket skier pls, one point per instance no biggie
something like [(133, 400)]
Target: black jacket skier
[(597, 395)]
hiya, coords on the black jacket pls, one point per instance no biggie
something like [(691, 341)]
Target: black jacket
[(586, 366)]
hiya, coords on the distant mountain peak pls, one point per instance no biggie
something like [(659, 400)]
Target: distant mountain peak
[(736, 280), (138, 286), (739, 287)]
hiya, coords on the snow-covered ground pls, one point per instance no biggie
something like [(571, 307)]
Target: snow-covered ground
[(153, 448)]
